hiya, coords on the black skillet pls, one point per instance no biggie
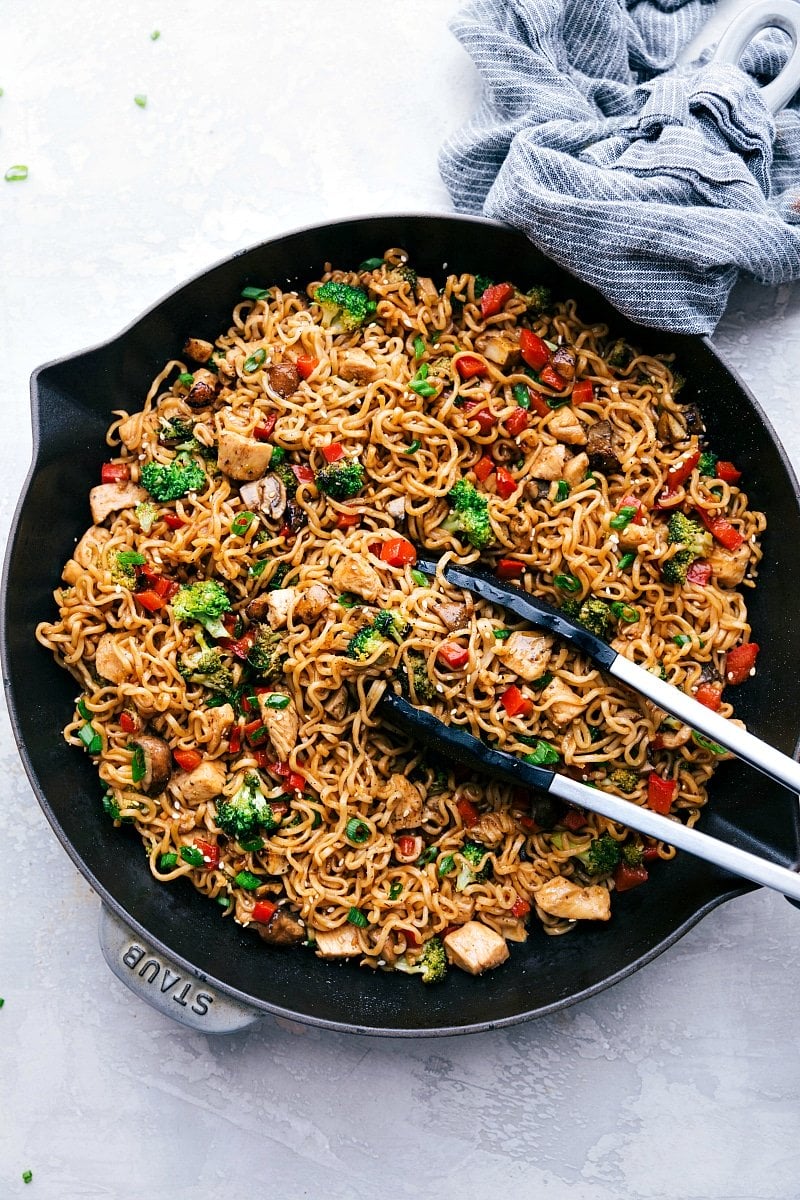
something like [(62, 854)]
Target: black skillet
[(172, 945)]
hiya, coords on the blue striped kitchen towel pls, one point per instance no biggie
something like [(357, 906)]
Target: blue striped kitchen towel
[(656, 184)]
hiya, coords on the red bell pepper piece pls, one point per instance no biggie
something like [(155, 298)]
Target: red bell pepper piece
[(187, 760), (660, 792), (518, 421), (550, 377), (650, 853), (676, 477), (727, 472), (303, 474), (264, 911), (150, 600), (510, 568), (172, 520), (406, 844), (255, 732), (128, 721), (306, 364), (515, 704), (332, 453), (452, 655), (506, 483), (573, 819), (722, 530), (627, 877), (469, 366), (699, 572), (582, 392), (209, 851), (534, 351), (520, 907), (411, 935), (295, 782), (115, 473), (235, 740), (347, 520), (477, 411), (740, 661), (483, 468), (243, 645), (710, 694), (495, 297), (398, 552), (467, 811), (263, 432), (632, 502)]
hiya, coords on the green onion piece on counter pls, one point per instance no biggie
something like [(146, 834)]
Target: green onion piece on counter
[(371, 264), (186, 378), (278, 456), (706, 744), (138, 765), (192, 856), (277, 700), (131, 558), (502, 634), (242, 522), (543, 755), (255, 293), (27, 1176), (445, 866), (522, 395), (563, 489), (624, 517), (625, 612), (83, 710), (257, 568), (255, 360), (429, 854), (140, 100), (567, 583), (420, 579), (2, 1001), (248, 881), (682, 639), (91, 739), (348, 600), (419, 347), (155, 35), (357, 831), (413, 447), (356, 917), (167, 861), (17, 173), (395, 890), (627, 560)]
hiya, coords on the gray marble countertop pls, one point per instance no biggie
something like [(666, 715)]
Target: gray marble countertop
[(681, 1083)]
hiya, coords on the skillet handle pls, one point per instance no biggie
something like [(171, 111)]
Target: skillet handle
[(182, 995)]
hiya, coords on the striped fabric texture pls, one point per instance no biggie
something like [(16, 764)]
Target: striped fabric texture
[(657, 184)]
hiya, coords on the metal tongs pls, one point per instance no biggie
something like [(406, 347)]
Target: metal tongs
[(469, 751)]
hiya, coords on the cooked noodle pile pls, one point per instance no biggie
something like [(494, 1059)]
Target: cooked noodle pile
[(305, 451)]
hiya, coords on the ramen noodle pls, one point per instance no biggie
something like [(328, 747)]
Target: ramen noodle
[(247, 590)]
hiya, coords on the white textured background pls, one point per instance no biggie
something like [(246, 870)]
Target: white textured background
[(679, 1084)]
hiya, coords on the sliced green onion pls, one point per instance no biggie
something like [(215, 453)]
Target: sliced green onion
[(91, 739), (627, 560), (155, 35), (277, 700), (83, 710), (550, 345), (420, 579), (371, 264), (251, 845), (413, 447), (429, 854), (595, 733), (138, 765), (445, 866), (255, 293), (356, 917), (557, 401), (625, 612), (242, 522), (257, 568), (501, 634), (419, 383), (248, 881), (589, 477), (109, 807), (224, 901), (541, 682), (192, 856), (357, 831), (706, 744), (255, 360), (522, 395), (435, 336), (682, 639), (395, 890), (419, 347), (131, 558), (624, 517), (167, 861), (567, 583), (17, 173), (186, 378), (543, 755), (348, 600), (140, 100), (278, 456), (563, 490), (216, 701)]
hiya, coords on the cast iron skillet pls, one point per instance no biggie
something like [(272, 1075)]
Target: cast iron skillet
[(72, 400)]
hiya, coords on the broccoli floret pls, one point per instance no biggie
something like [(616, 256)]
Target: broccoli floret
[(675, 569), (146, 514), (174, 432), (123, 571), (537, 299), (203, 602), (624, 779), (205, 666), (570, 607), (342, 479), (632, 854), (595, 615), (469, 514), (344, 308), (173, 480), (471, 870), (601, 857), (415, 681), (431, 964), (405, 274), (707, 463), (364, 644), (286, 476), (391, 625), (683, 531), (619, 355), (247, 812), (266, 653), (482, 282)]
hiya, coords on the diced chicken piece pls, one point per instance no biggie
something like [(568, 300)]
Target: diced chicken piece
[(411, 853), (562, 898), (634, 536), (426, 290), (357, 366), (202, 784), (600, 448), (492, 827), (266, 495), (258, 608), (564, 705), (575, 469), (526, 654), (285, 929), (549, 462), (311, 603), (112, 497), (564, 362), (157, 764), (203, 391), (112, 662), (283, 378), (499, 348), (338, 943), (565, 426), (729, 567), (226, 367), (475, 948), (404, 802), (217, 723), (452, 615), (282, 726), (130, 431), (670, 739), (242, 457), (277, 863), (396, 508), (336, 705), (275, 606), (198, 349), (352, 574), (90, 548), (72, 572)]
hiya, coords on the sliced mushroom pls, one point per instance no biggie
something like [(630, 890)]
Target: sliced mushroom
[(564, 362), (694, 419), (499, 348), (198, 349), (452, 615), (283, 378), (285, 929), (157, 764), (266, 495), (336, 705), (600, 448), (203, 391), (243, 457), (112, 497)]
